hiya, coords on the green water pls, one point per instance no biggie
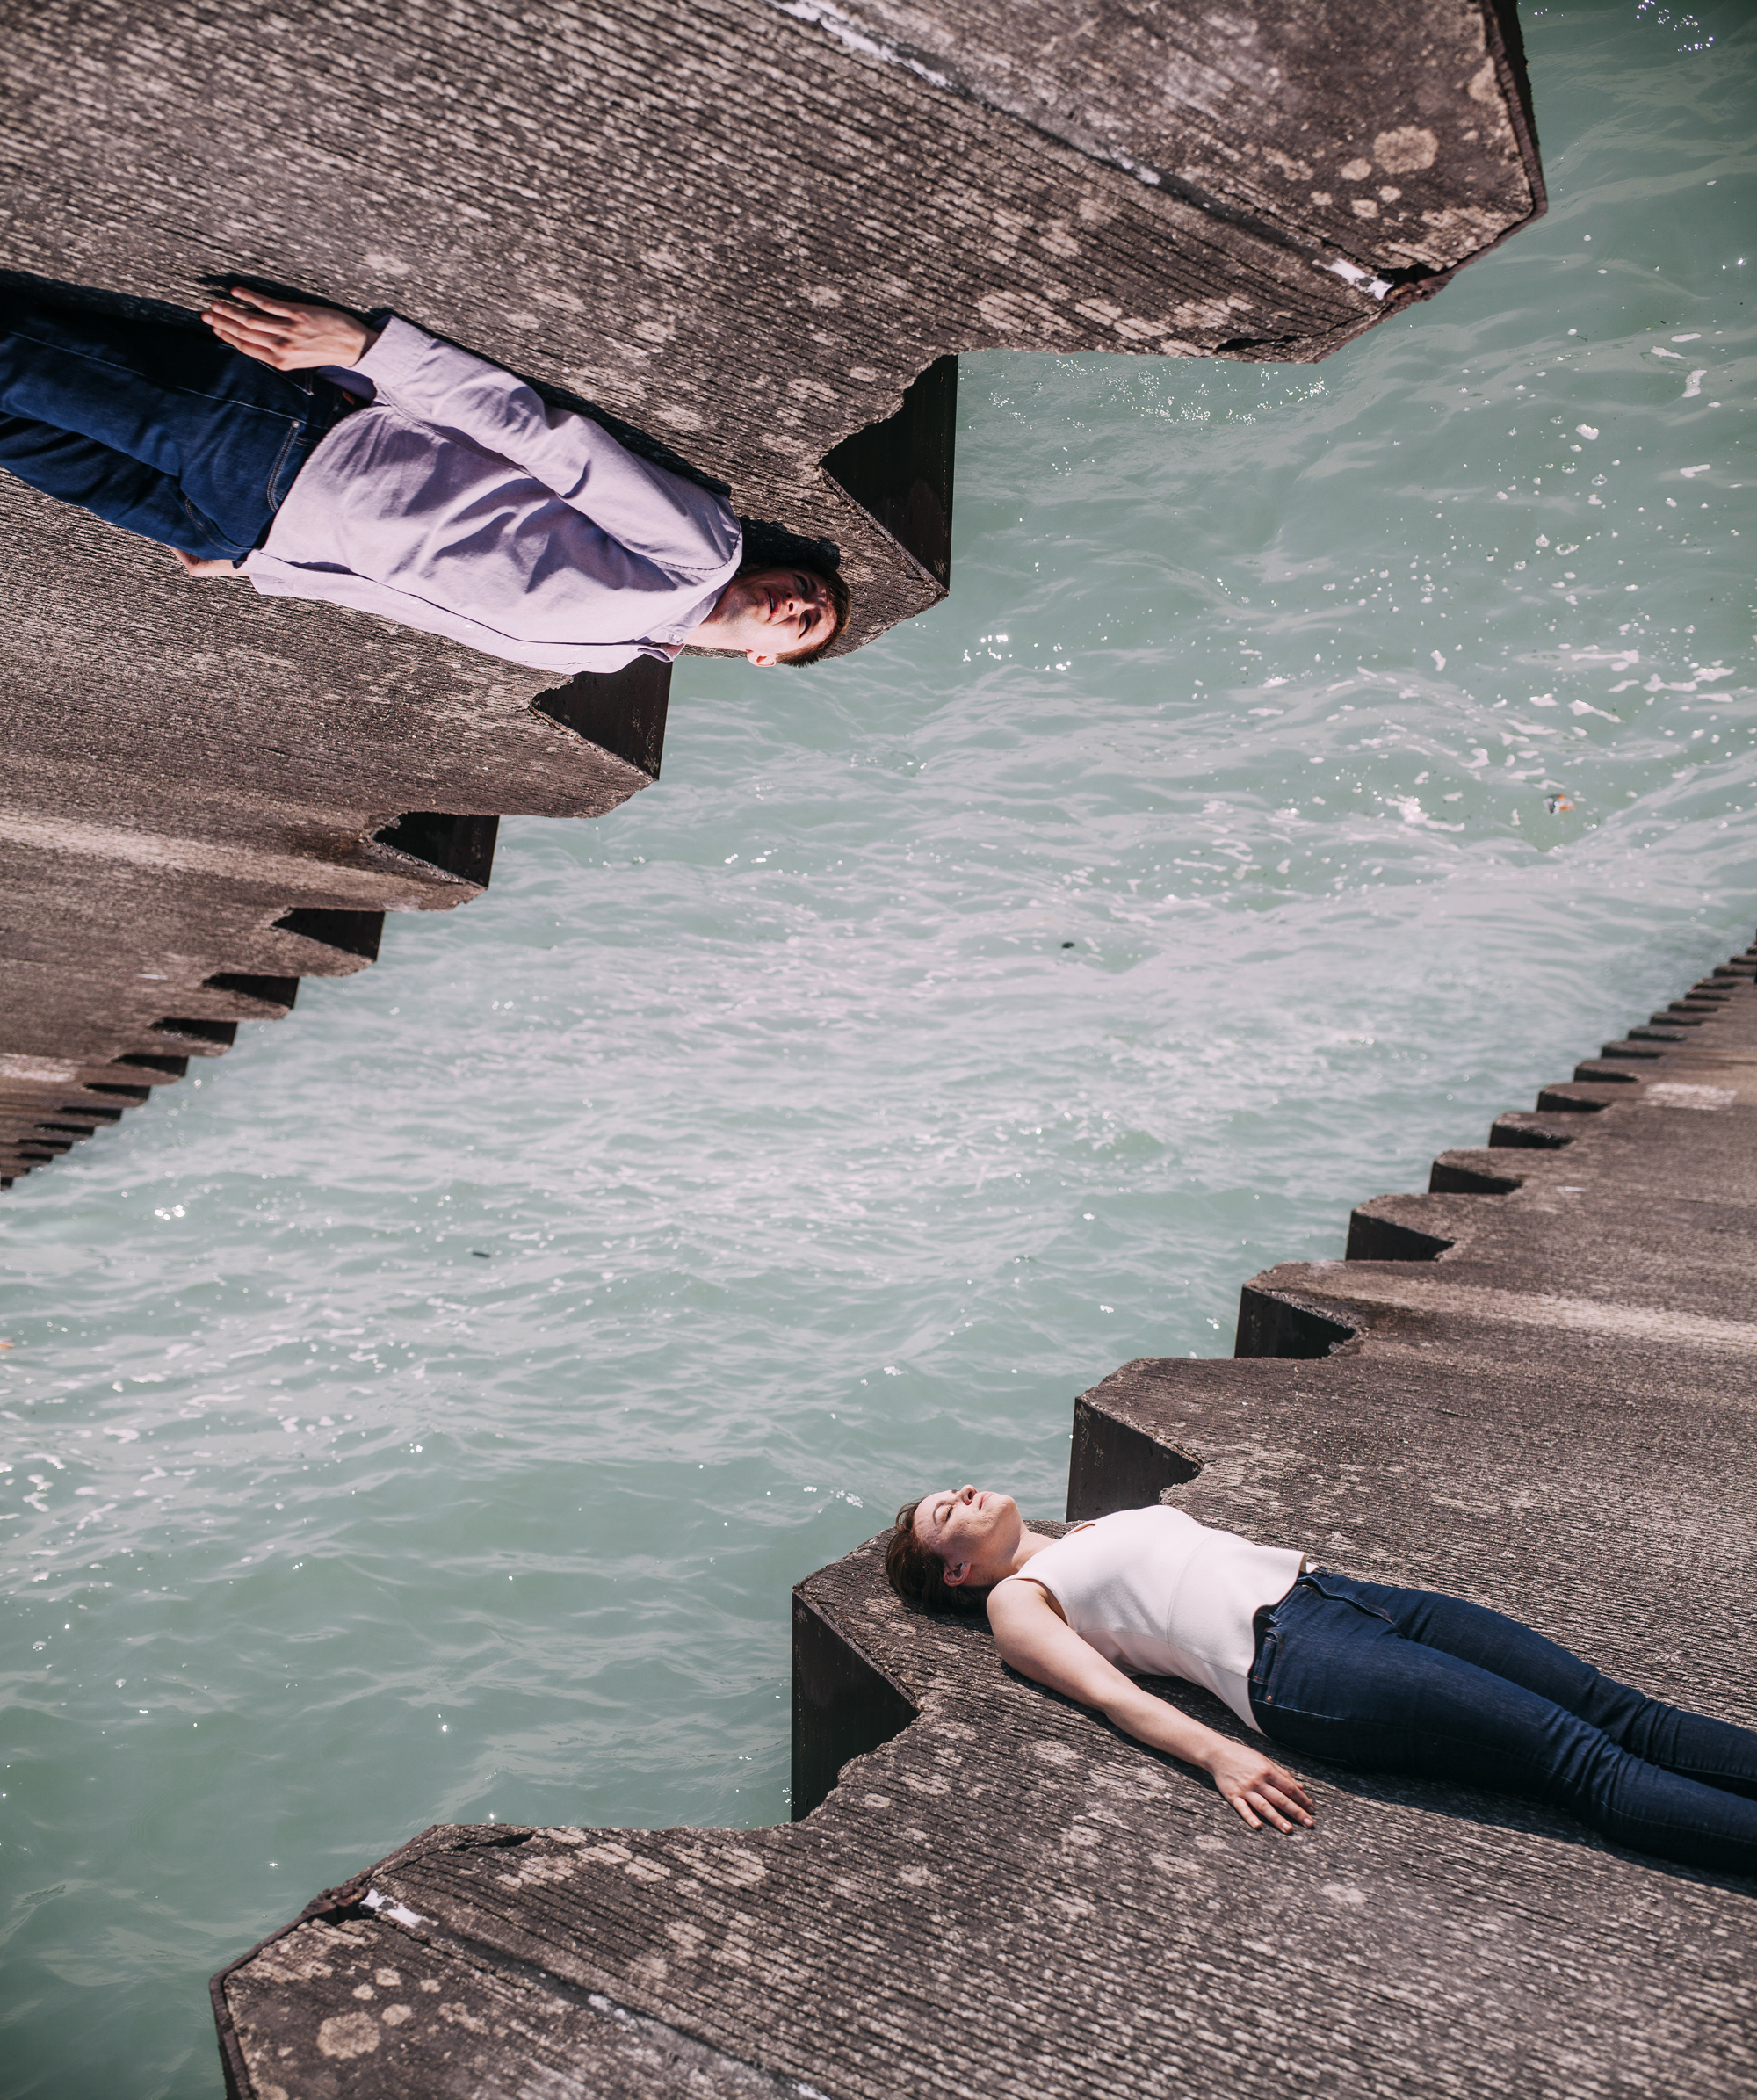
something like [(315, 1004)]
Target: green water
[(422, 1414)]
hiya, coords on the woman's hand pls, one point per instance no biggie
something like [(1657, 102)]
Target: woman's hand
[(1258, 1787), (193, 567), (290, 338)]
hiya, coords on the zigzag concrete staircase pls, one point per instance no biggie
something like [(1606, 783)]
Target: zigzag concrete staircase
[(1532, 1387), (754, 237)]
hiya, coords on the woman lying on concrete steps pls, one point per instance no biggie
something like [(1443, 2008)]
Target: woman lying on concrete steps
[(1360, 1673)]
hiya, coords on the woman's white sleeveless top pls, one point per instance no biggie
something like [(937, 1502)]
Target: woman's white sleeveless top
[(1162, 1596)]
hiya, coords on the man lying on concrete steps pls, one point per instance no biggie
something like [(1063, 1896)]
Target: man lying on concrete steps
[(387, 471)]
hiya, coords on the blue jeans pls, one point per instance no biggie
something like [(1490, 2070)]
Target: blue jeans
[(154, 425), (1408, 1681)]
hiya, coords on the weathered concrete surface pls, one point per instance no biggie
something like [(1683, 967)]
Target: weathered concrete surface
[(1003, 1896), (175, 865), (752, 229)]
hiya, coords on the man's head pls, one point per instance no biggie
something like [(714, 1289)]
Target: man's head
[(779, 614)]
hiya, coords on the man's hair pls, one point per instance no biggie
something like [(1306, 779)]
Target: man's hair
[(918, 1577), (842, 603)]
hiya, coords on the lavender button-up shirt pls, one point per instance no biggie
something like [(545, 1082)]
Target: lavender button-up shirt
[(459, 502)]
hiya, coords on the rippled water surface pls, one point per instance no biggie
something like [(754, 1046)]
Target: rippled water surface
[(422, 1414)]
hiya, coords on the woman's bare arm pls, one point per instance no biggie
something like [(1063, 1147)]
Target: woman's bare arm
[(1041, 1645)]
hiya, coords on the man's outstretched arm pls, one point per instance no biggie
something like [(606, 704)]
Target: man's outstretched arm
[(286, 335), (653, 513), (291, 337)]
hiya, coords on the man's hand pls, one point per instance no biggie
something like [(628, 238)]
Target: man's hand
[(192, 568), (291, 338), (1258, 1787)]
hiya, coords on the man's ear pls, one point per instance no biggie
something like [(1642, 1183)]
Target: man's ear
[(757, 657)]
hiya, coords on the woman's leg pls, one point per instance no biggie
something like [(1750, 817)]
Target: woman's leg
[(1336, 1678), (1715, 1752), (230, 432)]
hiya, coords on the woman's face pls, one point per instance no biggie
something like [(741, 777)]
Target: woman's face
[(973, 1530)]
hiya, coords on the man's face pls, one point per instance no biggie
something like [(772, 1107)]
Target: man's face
[(771, 613)]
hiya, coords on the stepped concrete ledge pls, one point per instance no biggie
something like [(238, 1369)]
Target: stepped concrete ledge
[(752, 235), (1533, 1387)]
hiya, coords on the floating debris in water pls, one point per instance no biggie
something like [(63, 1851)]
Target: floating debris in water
[(1556, 804)]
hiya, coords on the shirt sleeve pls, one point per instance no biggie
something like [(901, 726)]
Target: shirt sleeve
[(275, 578), (680, 526)]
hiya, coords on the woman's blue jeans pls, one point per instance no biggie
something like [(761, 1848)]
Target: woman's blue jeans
[(1408, 1681), (154, 425)]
